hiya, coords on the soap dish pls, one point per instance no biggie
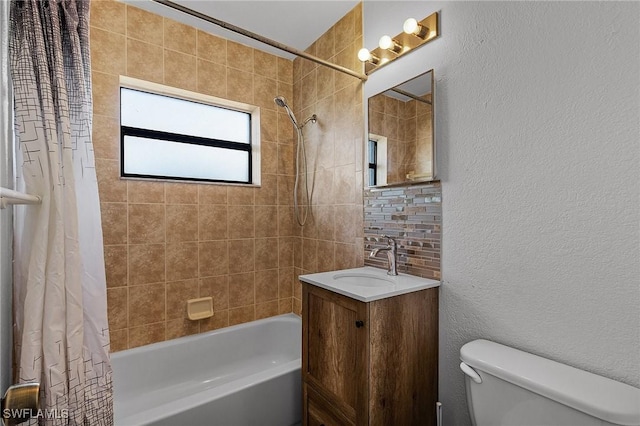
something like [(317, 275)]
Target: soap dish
[(201, 308)]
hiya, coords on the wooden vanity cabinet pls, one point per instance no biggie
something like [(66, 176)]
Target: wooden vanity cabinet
[(369, 363)]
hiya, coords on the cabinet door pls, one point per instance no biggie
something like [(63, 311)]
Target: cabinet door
[(320, 413), (335, 350)]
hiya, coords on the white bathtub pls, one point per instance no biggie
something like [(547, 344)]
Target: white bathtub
[(248, 374)]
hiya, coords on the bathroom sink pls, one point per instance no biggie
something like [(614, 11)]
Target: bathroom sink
[(362, 279), (368, 283)]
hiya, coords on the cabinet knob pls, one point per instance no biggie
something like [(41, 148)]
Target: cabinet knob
[(359, 324)]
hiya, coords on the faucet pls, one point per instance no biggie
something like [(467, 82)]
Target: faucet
[(391, 250)]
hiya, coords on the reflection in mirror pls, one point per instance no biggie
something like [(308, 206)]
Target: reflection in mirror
[(400, 147)]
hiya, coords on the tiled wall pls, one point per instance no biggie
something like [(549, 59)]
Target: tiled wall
[(332, 237), (166, 242), (413, 216), (169, 242)]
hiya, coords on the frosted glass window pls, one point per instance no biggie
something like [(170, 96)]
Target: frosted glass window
[(167, 114), (152, 157), (167, 137)]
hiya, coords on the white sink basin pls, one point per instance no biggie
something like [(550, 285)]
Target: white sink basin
[(367, 283), (362, 279)]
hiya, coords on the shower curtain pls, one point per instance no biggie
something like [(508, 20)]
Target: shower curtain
[(61, 329)]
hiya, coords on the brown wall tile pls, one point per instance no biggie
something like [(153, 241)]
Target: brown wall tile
[(212, 194), (239, 56), (241, 315), (106, 138), (107, 55), (146, 304), (211, 48), (218, 289), (117, 303), (180, 70), (115, 259), (243, 254), (106, 94), (240, 222), (285, 70), (266, 221), (111, 188), (266, 253), (213, 258), (241, 196), (212, 222), (145, 26), (285, 306), (265, 64), (109, 15), (181, 327), (240, 86), (146, 263), (179, 37), (178, 293), (145, 61), (241, 290), (220, 319), (182, 222), (146, 334), (266, 283), (181, 262), (114, 223), (212, 78), (119, 339), (267, 309), (145, 192), (146, 223)]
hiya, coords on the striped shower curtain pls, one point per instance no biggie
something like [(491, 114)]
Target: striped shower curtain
[(61, 334)]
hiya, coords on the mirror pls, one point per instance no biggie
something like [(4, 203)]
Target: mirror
[(400, 148)]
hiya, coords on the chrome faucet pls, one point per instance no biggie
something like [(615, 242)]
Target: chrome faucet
[(391, 250)]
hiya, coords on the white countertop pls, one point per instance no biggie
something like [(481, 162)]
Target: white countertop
[(368, 283)]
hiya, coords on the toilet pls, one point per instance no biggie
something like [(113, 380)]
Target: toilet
[(509, 387)]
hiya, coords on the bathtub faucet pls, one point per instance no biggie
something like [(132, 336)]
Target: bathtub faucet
[(391, 251)]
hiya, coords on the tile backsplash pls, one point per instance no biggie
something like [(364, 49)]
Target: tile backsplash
[(413, 216)]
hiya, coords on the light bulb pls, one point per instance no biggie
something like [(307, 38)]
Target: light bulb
[(410, 26), (385, 42), (364, 55)]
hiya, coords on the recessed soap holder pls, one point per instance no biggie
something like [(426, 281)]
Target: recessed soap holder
[(201, 308)]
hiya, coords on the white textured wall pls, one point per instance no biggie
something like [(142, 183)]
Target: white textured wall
[(537, 114)]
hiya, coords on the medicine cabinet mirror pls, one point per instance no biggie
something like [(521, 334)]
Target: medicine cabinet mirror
[(400, 148)]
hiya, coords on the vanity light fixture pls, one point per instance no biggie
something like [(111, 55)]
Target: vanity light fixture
[(415, 34)]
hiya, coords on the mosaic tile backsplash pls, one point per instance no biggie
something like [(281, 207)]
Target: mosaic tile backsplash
[(413, 216)]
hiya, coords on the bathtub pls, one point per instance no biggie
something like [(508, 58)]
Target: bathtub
[(248, 374)]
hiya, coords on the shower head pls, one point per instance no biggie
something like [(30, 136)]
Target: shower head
[(282, 102)]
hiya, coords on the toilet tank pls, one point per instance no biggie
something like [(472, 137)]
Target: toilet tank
[(519, 388)]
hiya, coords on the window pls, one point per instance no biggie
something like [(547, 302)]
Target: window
[(377, 160), (373, 162), (173, 134)]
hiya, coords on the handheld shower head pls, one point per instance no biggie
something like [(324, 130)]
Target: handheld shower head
[(282, 102)]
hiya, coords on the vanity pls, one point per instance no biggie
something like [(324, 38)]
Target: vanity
[(369, 348)]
